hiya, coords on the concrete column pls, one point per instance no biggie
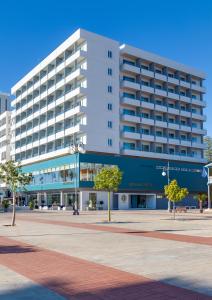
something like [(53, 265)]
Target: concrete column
[(61, 198), (209, 197), (81, 206), (39, 199), (45, 198)]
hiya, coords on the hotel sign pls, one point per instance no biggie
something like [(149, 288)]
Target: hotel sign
[(180, 169)]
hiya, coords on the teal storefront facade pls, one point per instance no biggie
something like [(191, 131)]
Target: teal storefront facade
[(142, 180)]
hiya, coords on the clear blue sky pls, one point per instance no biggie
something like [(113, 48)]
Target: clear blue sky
[(178, 29)]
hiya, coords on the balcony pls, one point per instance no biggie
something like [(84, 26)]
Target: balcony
[(198, 88), (131, 135), (148, 137), (173, 141), (172, 125), (161, 92), (130, 85), (185, 113), (174, 111), (147, 121), (161, 108), (131, 118), (198, 145), (185, 99), (185, 84), (148, 105), (198, 102), (147, 73), (147, 89), (185, 128), (173, 96), (160, 77), (130, 68), (199, 117), (131, 152), (131, 101), (173, 80), (161, 123), (161, 139), (199, 131), (186, 143)]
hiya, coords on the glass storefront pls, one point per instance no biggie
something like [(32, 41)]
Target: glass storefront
[(138, 201), (89, 170), (65, 173)]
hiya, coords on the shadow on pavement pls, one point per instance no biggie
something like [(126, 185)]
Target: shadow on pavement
[(16, 249), (64, 289)]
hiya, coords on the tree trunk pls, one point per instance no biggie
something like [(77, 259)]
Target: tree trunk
[(109, 212), (13, 216), (200, 207), (174, 209)]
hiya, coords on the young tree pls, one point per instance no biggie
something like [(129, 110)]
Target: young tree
[(11, 174), (208, 150), (175, 193), (108, 179), (201, 198)]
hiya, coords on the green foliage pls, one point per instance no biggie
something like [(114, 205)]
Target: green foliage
[(31, 205), (5, 204), (201, 197), (11, 174), (208, 150), (108, 179), (174, 192)]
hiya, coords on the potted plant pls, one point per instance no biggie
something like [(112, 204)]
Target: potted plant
[(31, 205), (101, 203), (5, 205)]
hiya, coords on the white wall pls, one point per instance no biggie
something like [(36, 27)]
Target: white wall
[(97, 93), (123, 200)]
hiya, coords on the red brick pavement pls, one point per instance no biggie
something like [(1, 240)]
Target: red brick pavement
[(108, 228), (78, 279)]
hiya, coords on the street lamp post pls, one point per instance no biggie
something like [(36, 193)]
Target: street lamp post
[(166, 173), (76, 149)]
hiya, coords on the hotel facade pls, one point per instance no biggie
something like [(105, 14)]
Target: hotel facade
[(126, 106)]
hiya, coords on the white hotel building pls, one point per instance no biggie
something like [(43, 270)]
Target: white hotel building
[(127, 106)]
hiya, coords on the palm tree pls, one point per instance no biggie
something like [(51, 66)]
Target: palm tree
[(201, 198), (11, 174)]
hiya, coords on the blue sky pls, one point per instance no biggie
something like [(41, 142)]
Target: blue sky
[(178, 29)]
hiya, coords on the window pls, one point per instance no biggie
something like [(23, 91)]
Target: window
[(158, 118), (109, 124), (146, 83), (158, 149), (129, 95), (109, 89), (193, 96), (109, 142), (171, 150), (129, 146), (159, 133), (145, 148), (145, 131), (131, 79), (109, 71), (109, 106), (128, 128), (109, 54)]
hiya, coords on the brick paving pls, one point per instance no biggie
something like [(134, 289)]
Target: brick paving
[(78, 279), (108, 228)]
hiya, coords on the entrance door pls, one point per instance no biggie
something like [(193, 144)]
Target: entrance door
[(115, 201), (138, 201)]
